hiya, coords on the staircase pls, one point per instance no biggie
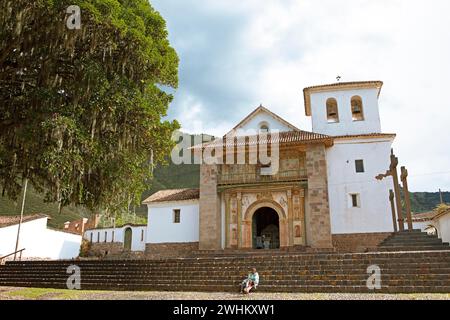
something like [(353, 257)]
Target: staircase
[(401, 272), (414, 240)]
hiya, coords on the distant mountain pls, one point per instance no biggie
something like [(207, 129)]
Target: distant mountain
[(427, 201)]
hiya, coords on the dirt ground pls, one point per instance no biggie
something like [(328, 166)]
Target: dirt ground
[(11, 293)]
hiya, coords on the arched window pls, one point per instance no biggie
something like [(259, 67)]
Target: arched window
[(332, 111), (264, 127), (357, 109)]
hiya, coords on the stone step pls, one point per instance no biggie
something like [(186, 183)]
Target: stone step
[(425, 271), (263, 288), (187, 269), (409, 248), (218, 268), (299, 259), (265, 277), (397, 240), (341, 256)]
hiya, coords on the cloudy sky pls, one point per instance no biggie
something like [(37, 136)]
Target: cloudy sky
[(236, 54)]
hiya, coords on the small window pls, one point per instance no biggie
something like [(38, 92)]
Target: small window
[(142, 235), (106, 235), (359, 165), (176, 216), (91, 236), (98, 236), (355, 200), (332, 111), (264, 127), (357, 109), (112, 237)]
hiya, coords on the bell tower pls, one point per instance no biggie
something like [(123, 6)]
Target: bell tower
[(344, 108)]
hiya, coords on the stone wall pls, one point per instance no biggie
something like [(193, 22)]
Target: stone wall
[(102, 249), (170, 250), (318, 222), (358, 242), (209, 210)]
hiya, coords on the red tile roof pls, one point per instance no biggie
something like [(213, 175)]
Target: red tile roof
[(173, 195), (425, 216), (299, 136), (367, 135), (6, 221)]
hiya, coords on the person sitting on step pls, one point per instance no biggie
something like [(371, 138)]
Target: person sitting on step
[(251, 282)]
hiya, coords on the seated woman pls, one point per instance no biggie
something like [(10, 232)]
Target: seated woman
[(251, 282)]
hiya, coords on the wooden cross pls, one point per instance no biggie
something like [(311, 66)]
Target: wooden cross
[(404, 178), (394, 174)]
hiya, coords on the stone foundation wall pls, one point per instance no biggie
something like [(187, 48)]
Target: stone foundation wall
[(170, 250), (102, 249), (358, 242)]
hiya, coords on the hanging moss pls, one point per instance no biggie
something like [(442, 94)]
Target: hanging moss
[(81, 110)]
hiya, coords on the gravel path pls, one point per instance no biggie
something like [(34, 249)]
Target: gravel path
[(9, 293)]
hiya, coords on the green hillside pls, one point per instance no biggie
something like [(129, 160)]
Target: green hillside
[(427, 201), (34, 204)]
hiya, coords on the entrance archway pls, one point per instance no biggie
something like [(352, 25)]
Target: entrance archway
[(128, 237), (266, 229)]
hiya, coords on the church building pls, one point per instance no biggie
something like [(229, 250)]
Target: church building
[(325, 185), (322, 195)]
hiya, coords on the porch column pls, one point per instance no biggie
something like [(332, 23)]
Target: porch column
[(290, 219), (227, 220), (239, 219)]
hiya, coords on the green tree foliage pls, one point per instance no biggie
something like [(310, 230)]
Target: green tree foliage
[(81, 110)]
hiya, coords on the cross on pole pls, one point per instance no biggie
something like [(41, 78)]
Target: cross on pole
[(394, 174), (404, 178)]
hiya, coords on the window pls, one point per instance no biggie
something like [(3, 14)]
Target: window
[(355, 200), (98, 236), (91, 236), (106, 235), (332, 111), (264, 127), (359, 166), (176, 216), (357, 109), (142, 235), (112, 237)]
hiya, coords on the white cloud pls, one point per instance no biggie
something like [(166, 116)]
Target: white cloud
[(237, 54)]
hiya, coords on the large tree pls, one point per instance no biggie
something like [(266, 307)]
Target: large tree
[(81, 110)]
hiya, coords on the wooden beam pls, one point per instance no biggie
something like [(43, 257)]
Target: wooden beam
[(398, 200), (391, 200), (404, 178)]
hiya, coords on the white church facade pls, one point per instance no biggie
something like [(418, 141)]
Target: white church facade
[(323, 194)]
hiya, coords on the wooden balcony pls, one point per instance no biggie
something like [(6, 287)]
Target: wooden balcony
[(256, 177)]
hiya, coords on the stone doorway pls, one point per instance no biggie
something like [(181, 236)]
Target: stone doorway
[(128, 237), (266, 229)]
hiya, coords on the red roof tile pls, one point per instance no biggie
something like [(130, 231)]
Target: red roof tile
[(299, 136), (6, 221), (173, 195)]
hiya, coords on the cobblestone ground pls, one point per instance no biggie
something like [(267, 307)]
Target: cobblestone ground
[(9, 293)]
